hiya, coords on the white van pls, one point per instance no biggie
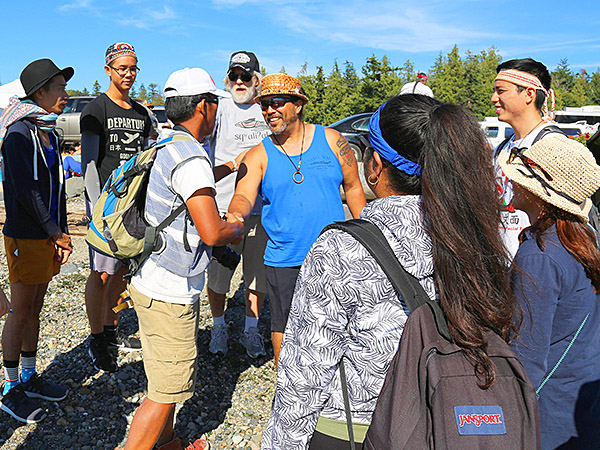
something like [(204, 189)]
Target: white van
[(496, 131)]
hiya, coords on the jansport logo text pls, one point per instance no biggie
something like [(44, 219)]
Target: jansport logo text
[(478, 419)]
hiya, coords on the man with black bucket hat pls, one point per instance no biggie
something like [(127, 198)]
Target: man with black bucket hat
[(35, 232)]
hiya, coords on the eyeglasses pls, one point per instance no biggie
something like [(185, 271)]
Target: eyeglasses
[(245, 76), (517, 152), (122, 71), (276, 102)]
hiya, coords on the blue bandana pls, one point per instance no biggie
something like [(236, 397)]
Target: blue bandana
[(387, 152)]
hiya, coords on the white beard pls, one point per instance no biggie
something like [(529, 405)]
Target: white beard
[(245, 97)]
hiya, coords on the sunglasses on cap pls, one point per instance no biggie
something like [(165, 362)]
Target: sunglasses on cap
[(276, 102), (245, 76)]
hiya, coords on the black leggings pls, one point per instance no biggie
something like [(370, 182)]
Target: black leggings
[(321, 441)]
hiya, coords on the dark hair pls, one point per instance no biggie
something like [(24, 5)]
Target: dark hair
[(579, 239), (181, 108), (45, 87), (461, 214), (534, 68)]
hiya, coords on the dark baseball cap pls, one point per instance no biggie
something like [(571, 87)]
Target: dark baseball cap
[(39, 72), (244, 60)]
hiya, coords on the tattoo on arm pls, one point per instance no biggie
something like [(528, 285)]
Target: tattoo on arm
[(346, 152)]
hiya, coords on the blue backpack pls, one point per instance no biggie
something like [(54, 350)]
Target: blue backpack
[(118, 227)]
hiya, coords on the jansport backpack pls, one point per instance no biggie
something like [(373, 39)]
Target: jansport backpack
[(430, 398), (118, 227)]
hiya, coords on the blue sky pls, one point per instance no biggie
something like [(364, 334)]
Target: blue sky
[(169, 35)]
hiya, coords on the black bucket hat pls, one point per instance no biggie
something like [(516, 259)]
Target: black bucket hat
[(39, 72)]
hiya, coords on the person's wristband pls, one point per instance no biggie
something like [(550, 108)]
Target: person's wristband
[(235, 165)]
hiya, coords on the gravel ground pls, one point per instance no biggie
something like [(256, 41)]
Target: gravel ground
[(233, 394)]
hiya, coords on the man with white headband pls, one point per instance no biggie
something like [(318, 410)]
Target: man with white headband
[(521, 94)]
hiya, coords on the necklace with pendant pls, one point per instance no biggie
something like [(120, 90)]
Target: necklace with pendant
[(297, 177)]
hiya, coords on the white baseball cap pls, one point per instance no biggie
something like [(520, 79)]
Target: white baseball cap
[(194, 81)]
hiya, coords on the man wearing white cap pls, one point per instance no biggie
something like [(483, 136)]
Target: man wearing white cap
[(166, 288)]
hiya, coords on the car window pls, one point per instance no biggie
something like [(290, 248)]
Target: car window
[(69, 106), (491, 132), (160, 115), (508, 132), (81, 104), (361, 125)]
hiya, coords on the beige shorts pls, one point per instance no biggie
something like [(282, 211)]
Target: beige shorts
[(31, 261), (252, 249), (168, 333)]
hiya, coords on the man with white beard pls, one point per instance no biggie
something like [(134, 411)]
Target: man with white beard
[(239, 127)]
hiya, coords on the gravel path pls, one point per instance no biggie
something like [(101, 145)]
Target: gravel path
[(233, 394)]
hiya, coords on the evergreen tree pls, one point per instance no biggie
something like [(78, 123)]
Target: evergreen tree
[(154, 95), (96, 88), (337, 101), (75, 92), (448, 78), (480, 71), (594, 88), (563, 82), (142, 94)]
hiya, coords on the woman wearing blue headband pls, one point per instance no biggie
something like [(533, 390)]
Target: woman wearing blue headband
[(437, 207)]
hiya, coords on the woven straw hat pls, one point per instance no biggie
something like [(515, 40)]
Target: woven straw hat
[(281, 84), (559, 170)]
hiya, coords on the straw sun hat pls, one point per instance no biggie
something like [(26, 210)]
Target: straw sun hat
[(559, 170), (281, 84)]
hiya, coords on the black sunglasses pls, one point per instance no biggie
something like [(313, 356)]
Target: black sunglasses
[(276, 102), (245, 76), (211, 99)]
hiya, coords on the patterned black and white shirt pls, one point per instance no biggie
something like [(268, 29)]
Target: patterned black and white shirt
[(344, 305)]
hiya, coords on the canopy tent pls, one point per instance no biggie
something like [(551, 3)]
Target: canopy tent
[(9, 90)]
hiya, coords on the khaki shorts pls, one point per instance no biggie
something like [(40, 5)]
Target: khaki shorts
[(168, 333), (31, 261), (252, 249)]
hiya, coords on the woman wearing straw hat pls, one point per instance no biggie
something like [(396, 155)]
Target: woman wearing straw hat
[(557, 281)]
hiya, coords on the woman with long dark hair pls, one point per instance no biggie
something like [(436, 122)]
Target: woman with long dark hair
[(437, 207), (557, 281)]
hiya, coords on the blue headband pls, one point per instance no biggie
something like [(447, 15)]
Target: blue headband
[(387, 152)]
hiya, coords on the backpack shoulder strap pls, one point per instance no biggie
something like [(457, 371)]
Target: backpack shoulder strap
[(546, 131), (502, 145), (173, 138), (413, 294)]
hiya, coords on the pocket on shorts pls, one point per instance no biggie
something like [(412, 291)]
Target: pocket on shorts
[(139, 299), (173, 368)]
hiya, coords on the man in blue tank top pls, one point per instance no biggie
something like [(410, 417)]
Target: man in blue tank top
[(298, 171)]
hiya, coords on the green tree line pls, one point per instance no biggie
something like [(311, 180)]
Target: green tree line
[(465, 79), (152, 94)]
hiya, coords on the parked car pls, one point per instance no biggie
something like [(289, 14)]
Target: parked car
[(161, 116), (67, 125), (353, 128), (497, 131)]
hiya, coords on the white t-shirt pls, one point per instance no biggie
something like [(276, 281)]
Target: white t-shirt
[(513, 220), (157, 282), (416, 87), (238, 127)]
